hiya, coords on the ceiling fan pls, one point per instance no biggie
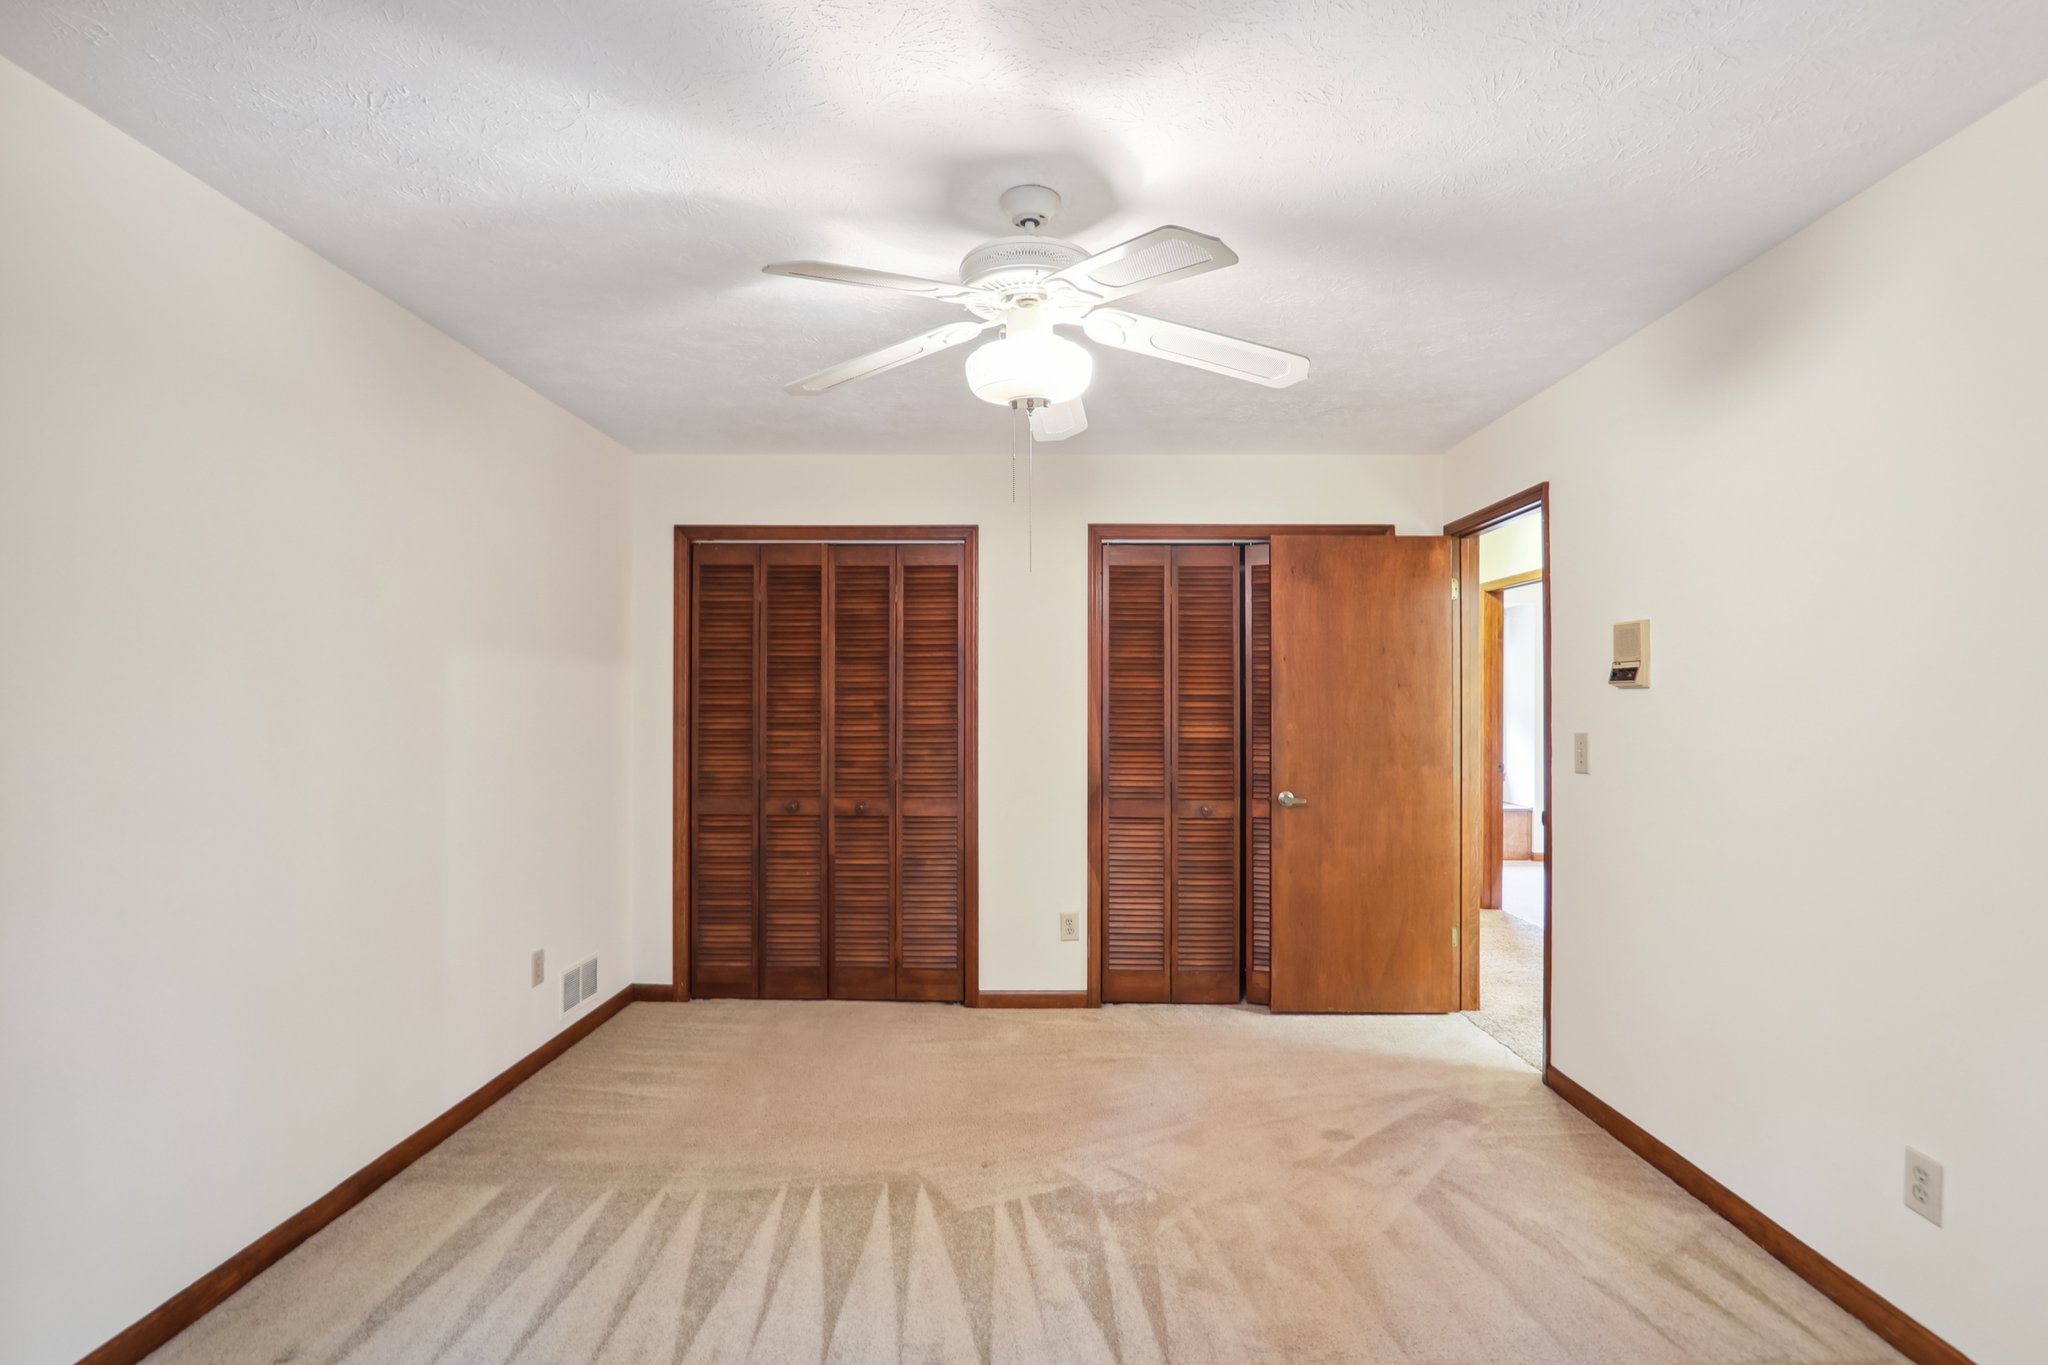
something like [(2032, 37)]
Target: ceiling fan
[(1029, 285)]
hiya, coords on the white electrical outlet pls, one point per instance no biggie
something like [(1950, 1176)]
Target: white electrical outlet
[(1579, 763), (1070, 928), (540, 965), (1923, 1186)]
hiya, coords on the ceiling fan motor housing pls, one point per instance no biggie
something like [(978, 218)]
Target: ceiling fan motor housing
[(1015, 262)]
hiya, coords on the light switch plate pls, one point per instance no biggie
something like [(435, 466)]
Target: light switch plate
[(1579, 763), (1923, 1186)]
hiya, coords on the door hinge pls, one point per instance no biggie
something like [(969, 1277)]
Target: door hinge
[(1454, 589), (1457, 939)]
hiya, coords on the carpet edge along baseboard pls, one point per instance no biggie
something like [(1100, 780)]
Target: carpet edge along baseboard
[(214, 1288), (1858, 1299)]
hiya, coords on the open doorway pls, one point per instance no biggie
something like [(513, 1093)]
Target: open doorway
[(1504, 590)]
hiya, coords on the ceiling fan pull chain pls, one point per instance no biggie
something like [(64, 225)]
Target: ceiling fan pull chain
[(1015, 417), (1030, 488)]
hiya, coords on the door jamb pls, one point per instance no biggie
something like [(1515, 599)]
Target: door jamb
[(1171, 534), (679, 712), (1467, 530)]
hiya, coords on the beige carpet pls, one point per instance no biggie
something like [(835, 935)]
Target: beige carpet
[(1511, 984), (837, 1182)]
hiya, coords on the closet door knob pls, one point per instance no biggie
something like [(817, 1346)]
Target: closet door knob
[(1207, 811), (860, 808), (793, 807)]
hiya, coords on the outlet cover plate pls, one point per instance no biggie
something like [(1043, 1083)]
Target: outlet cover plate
[(540, 965), (1070, 927), (1923, 1186)]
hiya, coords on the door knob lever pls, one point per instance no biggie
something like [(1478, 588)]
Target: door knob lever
[(1290, 799)]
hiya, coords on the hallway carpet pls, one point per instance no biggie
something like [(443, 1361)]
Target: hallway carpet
[(839, 1182), (1511, 984)]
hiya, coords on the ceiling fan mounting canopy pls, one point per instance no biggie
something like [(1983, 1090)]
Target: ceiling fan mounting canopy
[(1029, 284), (1029, 206)]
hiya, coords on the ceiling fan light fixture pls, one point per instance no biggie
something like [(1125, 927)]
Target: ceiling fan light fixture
[(1037, 364)]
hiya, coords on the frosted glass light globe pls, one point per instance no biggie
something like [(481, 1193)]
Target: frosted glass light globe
[(1037, 364)]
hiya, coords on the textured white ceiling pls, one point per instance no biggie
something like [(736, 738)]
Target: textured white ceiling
[(1448, 205)]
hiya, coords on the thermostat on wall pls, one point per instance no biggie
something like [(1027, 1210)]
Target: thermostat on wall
[(1631, 666)]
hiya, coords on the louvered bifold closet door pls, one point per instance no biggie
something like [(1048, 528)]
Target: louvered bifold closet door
[(1135, 771), (1206, 919), (725, 791), (793, 772), (1258, 843), (862, 597), (931, 791)]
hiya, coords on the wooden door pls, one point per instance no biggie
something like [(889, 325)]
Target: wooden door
[(931, 786), (1205, 920), (1135, 770), (1258, 785), (828, 809), (1365, 734), (725, 780), (1493, 683), (863, 784), (1172, 916), (793, 772)]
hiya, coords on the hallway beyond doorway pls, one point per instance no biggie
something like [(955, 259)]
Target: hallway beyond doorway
[(1511, 963)]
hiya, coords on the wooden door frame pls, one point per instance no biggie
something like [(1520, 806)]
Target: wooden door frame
[(1466, 530), (679, 711), (1493, 739), (1153, 533)]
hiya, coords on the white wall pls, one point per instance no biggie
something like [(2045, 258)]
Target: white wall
[(312, 723), (1799, 919), (1512, 549), (1034, 633)]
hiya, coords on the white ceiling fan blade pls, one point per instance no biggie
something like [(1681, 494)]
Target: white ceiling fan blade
[(1160, 256), (877, 279), (1058, 421), (1213, 351), (889, 357)]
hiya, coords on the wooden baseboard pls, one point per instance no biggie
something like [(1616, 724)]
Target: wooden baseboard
[(1861, 1302), (1033, 1000), (210, 1290)]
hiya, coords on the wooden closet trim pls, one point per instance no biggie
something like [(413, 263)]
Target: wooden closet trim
[(686, 537), (1100, 534)]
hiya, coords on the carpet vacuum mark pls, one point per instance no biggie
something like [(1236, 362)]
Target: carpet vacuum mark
[(837, 1182)]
